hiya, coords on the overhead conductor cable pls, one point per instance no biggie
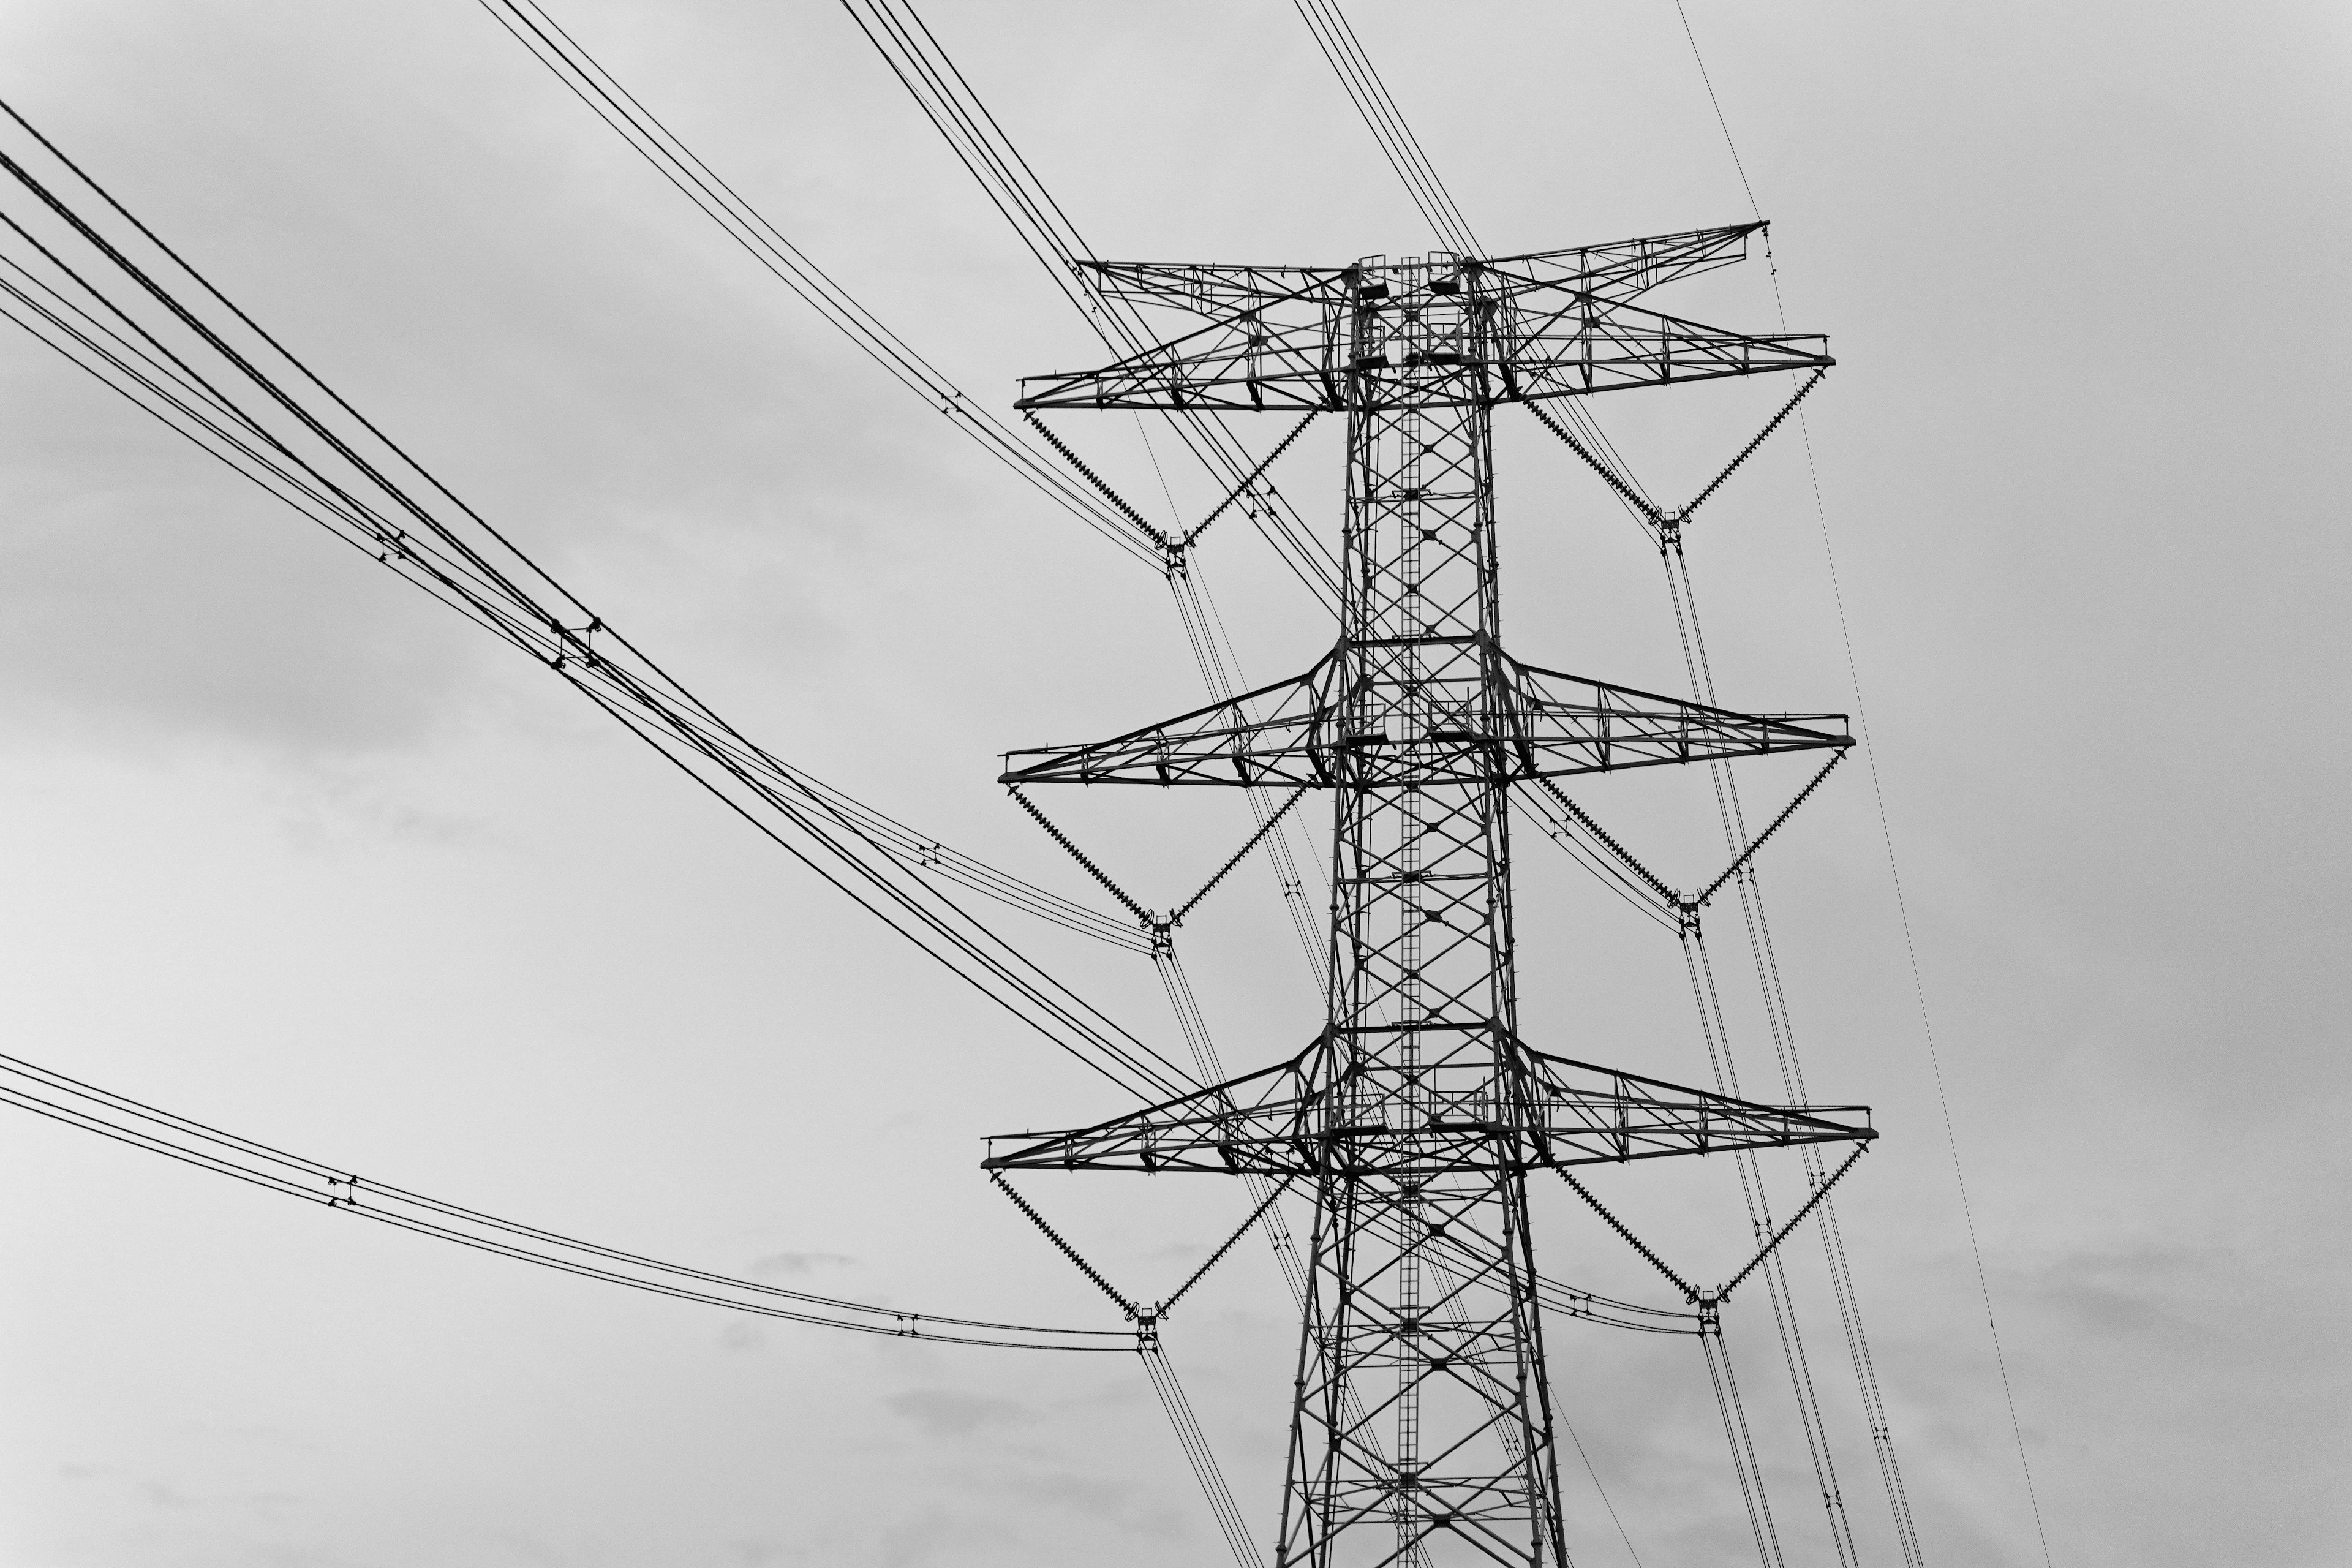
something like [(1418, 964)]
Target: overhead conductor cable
[(76, 1103), (149, 346)]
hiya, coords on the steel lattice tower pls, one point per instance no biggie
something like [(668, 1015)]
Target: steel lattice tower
[(1422, 1429)]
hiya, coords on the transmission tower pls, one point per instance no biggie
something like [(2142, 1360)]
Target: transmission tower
[(1422, 1426)]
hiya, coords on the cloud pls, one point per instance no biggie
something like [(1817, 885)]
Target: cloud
[(760, 1554), (1097, 1497), (945, 1412), (155, 604), (915, 1539), (799, 1262)]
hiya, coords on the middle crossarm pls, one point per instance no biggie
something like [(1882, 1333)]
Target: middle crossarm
[(1294, 1121), (1296, 733)]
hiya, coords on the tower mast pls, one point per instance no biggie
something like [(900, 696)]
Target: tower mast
[(1422, 1429)]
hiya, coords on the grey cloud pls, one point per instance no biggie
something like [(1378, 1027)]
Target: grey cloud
[(933, 1534), (946, 1412), (794, 1263), (1097, 1497)]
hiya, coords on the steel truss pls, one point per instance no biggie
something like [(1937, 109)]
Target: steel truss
[(1422, 1429)]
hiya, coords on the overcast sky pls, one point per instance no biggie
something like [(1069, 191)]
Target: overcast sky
[(293, 850)]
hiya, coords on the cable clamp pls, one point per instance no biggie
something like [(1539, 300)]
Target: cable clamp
[(573, 640)]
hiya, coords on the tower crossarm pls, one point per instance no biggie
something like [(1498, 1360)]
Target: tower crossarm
[(1314, 731), (1561, 724), (1625, 267), (1586, 343), (1218, 289), (1270, 736), (1264, 347), (1549, 324), (1309, 1118), (1619, 269)]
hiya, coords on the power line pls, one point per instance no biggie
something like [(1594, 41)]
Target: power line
[(1715, 103), (946, 99), (147, 345), (586, 79), (1035, 217), (1014, 187), (1895, 875), (1377, 108), (913, 54), (76, 1103)]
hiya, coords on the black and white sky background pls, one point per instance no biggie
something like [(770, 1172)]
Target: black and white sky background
[(291, 849)]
